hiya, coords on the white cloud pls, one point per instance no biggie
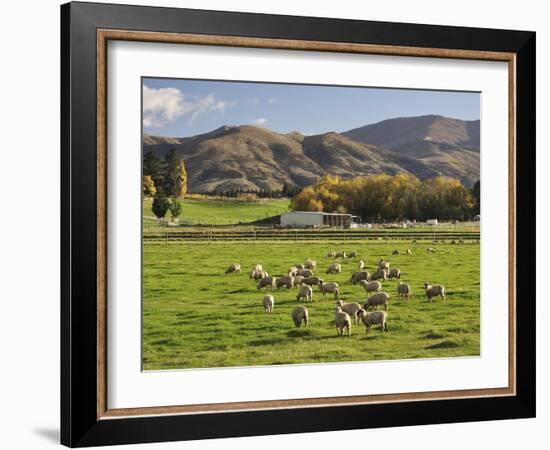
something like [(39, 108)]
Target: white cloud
[(167, 104), (259, 121)]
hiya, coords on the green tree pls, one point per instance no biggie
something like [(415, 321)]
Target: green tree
[(153, 166), (161, 204), (476, 194), (175, 176), (175, 208), (149, 188)]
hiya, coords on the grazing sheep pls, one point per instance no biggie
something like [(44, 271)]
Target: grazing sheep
[(352, 255), (403, 290), (434, 291), (287, 281), (234, 268), (267, 282), (298, 280), (299, 315), (259, 275), (331, 287), (269, 303), (305, 293), (383, 265), (395, 252), (409, 251), (394, 273), (331, 255), (361, 264), (342, 321), (373, 286), (299, 266), (378, 299), (305, 273), (350, 308), (461, 241), (430, 250), (340, 255), (256, 272), (334, 268), (380, 274), (373, 318), (310, 264), (359, 276), (292, 272), (312, 281)]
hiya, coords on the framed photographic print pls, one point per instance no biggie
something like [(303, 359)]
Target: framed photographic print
[(277, 224)]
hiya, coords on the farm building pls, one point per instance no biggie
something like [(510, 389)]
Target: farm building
[(307, 219)]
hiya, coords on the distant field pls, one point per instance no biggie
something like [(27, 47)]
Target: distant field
[(223, 212), (195, 316)]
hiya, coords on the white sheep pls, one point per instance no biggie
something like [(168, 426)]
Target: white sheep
[(298, 280), (269, 303), (334, 268), (430, 250), (361, 264), (380, 274), (372, 286), (305, 273), (352, 255), (434, 291), (299, 315), (373, 318), (378, 299), (359, 276), (267, 282), (383, 265), (259, 275), (234, 268), (287, 281), (409, 251), (331, 254), (256, 272), (403, 290), (292, 271), (350, 308), (305, 293), (394, 273), (331, 287), (342, 321), (310, 264), (312, 281), (340, 255)]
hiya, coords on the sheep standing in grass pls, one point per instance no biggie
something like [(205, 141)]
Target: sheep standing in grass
[(430, 250), (259, 275), (361, 264), (299, 266), (305, 294), (340, 255), (233, 268), (409, 251), (331, 255), (299, 315), (359, 276), (267, 282), (305, 273), (353, 255), (373, 318), (334, 268), (342, 321), (331, 287), (372, 286), (298, 280), (403, 290), (292, 271), (380, 274), (350, 308), (383, 265), (310, 264), (269, 303), (311, 281), (377, 300), (394, 273), (395, 252), (256, 272), (286, 281), (434, 291)]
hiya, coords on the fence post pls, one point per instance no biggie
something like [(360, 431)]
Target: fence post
[(166, 235)]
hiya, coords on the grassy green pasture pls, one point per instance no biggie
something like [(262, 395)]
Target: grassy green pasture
[(195, 316), (214, 211)]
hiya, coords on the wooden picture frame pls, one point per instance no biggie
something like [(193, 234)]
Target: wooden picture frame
[(86, 418)]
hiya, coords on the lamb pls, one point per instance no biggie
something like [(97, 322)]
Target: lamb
[(298, 280), (340, 255), (373, 286), (299, 315), (430, 250), (305, 273), (361, 264), (352, 255), (373, 318), (395, 252), (403, 290), (312, 281), (292, 271), (267, 282), (434, 291), (287, 281), (269, 303), (331, 254), (256, 272), (378, 299), (334, 268), (383, 264), (331, 287), (350, 308), (310, 264), (380, 274), (359, 276), (259, 275), (234, 268), (305, 293), (394, 273), (342, 321)]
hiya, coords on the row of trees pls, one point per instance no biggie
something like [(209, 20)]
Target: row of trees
[(385, 197), (287, 191)]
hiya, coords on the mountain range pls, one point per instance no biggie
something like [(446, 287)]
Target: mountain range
[(251, 157)]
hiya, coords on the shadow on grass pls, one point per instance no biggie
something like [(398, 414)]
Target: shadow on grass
[(299, 333), (443, 344), (268, 341)]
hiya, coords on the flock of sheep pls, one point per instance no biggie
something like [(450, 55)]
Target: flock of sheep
[(301, 276)]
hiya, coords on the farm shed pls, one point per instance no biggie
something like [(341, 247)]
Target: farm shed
[(307, 219)]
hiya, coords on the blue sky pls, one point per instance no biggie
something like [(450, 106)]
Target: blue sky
[(180, 108)]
